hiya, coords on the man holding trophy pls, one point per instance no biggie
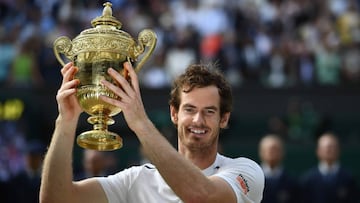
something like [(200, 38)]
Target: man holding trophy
[(200, 106)]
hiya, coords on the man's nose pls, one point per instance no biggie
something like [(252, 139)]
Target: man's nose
[(198, 118)]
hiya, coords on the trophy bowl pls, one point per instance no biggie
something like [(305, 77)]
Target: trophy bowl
[(93, 51)]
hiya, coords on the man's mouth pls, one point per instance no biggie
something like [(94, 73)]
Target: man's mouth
[(197, 131)]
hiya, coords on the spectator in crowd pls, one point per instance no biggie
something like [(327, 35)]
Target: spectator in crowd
[(329, 181), (280, 187), (8, 52), (25, 186), (96, 164), (25, 71)]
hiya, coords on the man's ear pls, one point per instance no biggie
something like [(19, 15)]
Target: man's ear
[(224, 120), (174, 114)]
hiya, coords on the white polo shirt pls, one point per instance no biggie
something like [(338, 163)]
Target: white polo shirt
[(144, 183)]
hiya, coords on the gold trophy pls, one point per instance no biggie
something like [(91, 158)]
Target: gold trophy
[(93, 51)]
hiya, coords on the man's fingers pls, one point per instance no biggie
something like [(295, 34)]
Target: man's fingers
[(69, 73), (133, 76), (69, 85), (65, 93), (110, 100), (117, 90), (66, 68)]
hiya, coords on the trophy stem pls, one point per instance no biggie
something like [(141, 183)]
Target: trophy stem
[(100, 138), (100, 121)]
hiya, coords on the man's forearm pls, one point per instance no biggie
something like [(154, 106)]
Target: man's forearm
[(57, 170), (186, 180)]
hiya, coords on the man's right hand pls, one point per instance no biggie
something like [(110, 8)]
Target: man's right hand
[(57, 175), (68, 104)]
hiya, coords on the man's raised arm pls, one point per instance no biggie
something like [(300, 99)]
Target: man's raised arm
[(57, 177)]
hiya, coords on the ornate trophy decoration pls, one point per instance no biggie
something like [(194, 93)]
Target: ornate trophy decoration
[(93, 51)]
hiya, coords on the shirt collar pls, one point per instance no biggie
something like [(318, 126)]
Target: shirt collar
[(326, 169), (271, 172), (213, 167)]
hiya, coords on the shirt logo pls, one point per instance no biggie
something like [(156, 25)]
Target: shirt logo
[(243, 184)]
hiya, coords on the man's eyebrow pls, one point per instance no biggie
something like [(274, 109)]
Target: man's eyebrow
[(208, 107), (188, 105), (212, 108)]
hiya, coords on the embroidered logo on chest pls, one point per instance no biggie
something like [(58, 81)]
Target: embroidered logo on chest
[(243, 184)]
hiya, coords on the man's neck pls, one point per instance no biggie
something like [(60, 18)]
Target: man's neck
[(201, 158)]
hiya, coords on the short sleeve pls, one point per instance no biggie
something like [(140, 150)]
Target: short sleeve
[(246, 179), (117, 186)]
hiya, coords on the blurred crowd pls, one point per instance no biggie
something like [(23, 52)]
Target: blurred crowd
[(272, 43), (327, 181)]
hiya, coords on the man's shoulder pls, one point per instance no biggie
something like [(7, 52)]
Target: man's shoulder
[(132, 173), (141, 168), (311, 174), (244, 175), (240, 165), (312, 171), (239, 161)]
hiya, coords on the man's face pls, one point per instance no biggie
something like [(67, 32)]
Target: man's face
[(271, 152), (328, 149), (198, 119), (94, 162)]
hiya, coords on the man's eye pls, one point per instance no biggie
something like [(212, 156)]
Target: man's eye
[(188, 110), (210, 111)]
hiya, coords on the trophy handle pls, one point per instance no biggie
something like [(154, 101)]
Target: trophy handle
[(62, 45), (146, 38)]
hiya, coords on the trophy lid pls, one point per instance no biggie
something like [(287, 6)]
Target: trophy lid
[(105, 41), (107, 18), (105, 36)]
